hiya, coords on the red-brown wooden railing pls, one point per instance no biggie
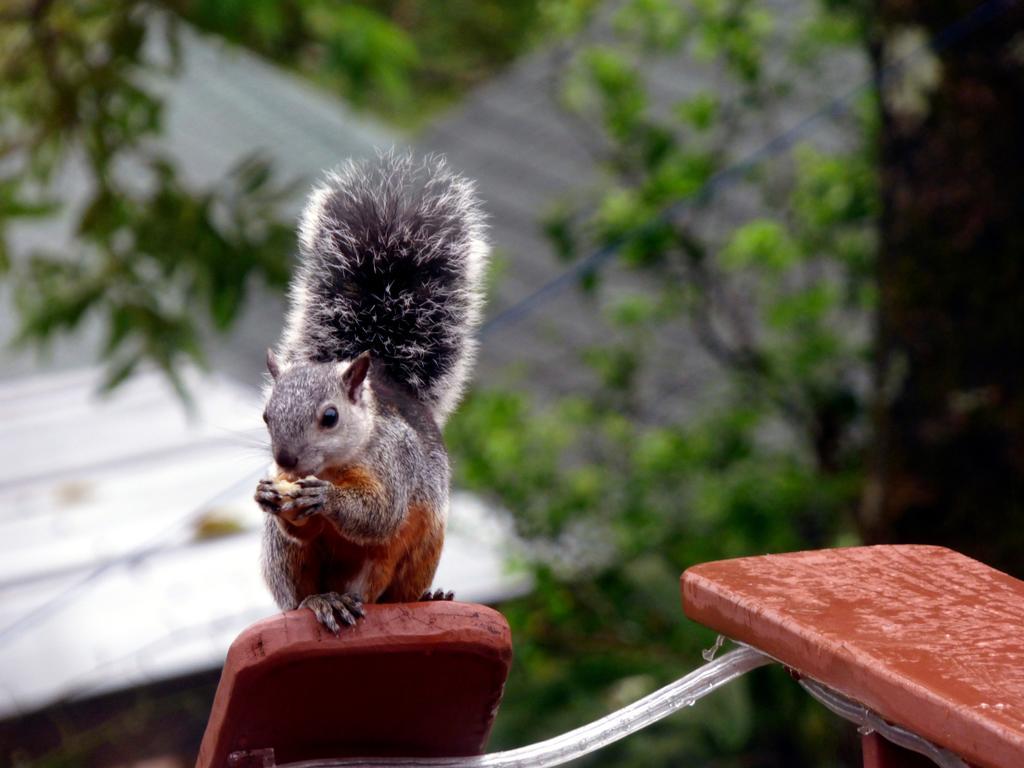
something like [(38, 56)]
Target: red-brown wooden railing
[(416, 679), (921, 645), (925, 637)]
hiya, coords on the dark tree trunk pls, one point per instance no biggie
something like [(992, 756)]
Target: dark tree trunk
[(949, 464)]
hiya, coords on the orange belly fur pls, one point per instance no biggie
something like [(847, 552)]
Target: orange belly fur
[(398, 570)]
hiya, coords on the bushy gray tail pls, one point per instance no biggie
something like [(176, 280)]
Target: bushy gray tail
[(393, 259)]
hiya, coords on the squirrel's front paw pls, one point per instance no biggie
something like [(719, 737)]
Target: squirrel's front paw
[(330, 607), (295, 501), (308, 497), (269, 497)]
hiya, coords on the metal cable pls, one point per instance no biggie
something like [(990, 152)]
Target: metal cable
[(649, 710), (588, 738), (869, 721)]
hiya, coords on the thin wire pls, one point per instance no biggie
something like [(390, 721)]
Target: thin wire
[(866, 719), (581, 741), (979, 17), (649, 710)]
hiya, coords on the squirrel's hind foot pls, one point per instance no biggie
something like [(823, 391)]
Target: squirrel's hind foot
[(437, 594), (332, 607)]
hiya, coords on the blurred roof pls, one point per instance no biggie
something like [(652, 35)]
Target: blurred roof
[(226, 103), (526, 155), (112, 572)]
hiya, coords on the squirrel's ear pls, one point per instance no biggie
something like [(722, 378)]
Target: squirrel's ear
[(355, 375), (272, 366)]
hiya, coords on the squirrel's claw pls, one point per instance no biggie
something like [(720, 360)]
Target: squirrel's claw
[(437, 594), (300, 507), (308, 499), (330, 607), (268, 497)]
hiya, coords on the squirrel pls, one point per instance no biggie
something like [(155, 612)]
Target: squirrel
[(378, 344)]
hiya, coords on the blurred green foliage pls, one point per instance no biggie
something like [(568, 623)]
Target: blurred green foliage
[(153, 259), (400, 58), (614, 494)]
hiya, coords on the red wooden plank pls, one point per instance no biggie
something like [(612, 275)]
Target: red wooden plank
[(926, 637), (421, 679)]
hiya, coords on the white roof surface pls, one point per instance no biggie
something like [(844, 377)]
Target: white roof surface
[(104, 583)]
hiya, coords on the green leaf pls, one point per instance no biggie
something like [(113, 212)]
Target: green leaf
[(119, 372), (699, 112), (760, 244), (652, 25)]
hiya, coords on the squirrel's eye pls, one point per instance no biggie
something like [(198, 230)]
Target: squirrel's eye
[(329, 418), (265, 419)]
